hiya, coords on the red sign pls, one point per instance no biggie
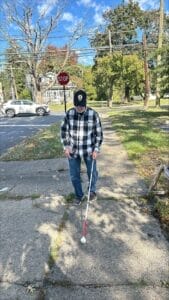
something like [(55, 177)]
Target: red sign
[(63, 78)]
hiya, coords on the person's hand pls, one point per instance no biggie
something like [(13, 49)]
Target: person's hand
[(67, 152), (94, 154)]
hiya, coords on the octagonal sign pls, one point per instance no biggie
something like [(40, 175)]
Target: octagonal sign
[(63, 78)]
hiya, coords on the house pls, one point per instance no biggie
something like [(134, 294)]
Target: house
[(55, 92)]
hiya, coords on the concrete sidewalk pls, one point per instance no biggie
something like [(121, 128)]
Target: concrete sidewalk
[(126, 254)]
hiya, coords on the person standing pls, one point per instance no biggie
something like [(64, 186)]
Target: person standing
[(81, 136)]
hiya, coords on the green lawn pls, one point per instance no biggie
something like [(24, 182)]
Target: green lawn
[(148, 146), (141, 134), (44, 144), (61, 108)]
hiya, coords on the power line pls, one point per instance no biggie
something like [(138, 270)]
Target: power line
[(114, 32)]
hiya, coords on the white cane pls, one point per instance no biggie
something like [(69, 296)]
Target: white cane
[(84, 225)]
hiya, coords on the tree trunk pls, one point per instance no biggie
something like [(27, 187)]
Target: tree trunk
[(36, 90), (109, 102), (160, 42), (38, 97), (127, 93), (146, 72)]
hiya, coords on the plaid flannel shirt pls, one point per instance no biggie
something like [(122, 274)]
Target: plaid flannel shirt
[(82, 132)]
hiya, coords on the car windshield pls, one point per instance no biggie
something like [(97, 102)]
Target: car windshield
[(16, 102), (27, 102)]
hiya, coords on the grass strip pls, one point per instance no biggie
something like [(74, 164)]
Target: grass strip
[(147, 145), (45, 144), (141, 134)]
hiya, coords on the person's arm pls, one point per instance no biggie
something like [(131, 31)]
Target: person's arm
[(65, 137), (99, 137)]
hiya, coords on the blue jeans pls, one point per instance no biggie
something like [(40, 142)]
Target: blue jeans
[(75, 167)]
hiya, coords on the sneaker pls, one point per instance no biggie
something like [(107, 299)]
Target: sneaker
[(78, 201), (93, 196)]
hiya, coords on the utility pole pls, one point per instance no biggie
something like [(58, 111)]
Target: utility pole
[(146, 71), (110, 92), (160, 42), (110, 43)]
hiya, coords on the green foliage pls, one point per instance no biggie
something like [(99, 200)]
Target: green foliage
[(76, 72), (117, 71), (16, 69), (4, 79), (164, 71), (25, 94), (122, 22), (133, 74), (88, 83), (106, 72), (161, 210), (121, 34)]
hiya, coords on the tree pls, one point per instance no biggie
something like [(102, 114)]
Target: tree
[(88, 83), (122, 22), (76, 74), (54, 58), (4, 79), (106, 71), (121, 34), (164, 71), (160, 42), (133, 75), (161, 57), (16, 71), (34, 30)]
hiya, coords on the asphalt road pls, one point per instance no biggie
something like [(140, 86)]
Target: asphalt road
[(13, 131)]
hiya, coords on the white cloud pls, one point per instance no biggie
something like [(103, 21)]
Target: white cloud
[(148, 4), (46, 7), (98, 10), (68, 17), (88, 3), (98, 18), (85, 2)]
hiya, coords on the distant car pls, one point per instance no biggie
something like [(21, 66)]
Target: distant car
[(152, 97), (139, 97), (166, 96), (16, 107), (136, 97)]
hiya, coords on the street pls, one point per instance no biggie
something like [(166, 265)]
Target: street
[(14, 130)]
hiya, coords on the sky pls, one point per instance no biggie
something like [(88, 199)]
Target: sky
[(86, 12), (89, 12)]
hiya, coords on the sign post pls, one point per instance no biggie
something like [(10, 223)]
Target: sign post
[(63, 79)]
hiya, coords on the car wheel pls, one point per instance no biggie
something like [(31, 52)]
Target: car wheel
[(40, 111), (10, 113)]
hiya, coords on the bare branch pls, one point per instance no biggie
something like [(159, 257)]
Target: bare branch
[(33, 30)]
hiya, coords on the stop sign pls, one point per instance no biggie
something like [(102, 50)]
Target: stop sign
[(63, 78)]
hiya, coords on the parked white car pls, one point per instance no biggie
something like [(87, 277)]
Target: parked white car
[(166, 96), (139, 97), (136, 97), (16, 107), (152, 97)]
